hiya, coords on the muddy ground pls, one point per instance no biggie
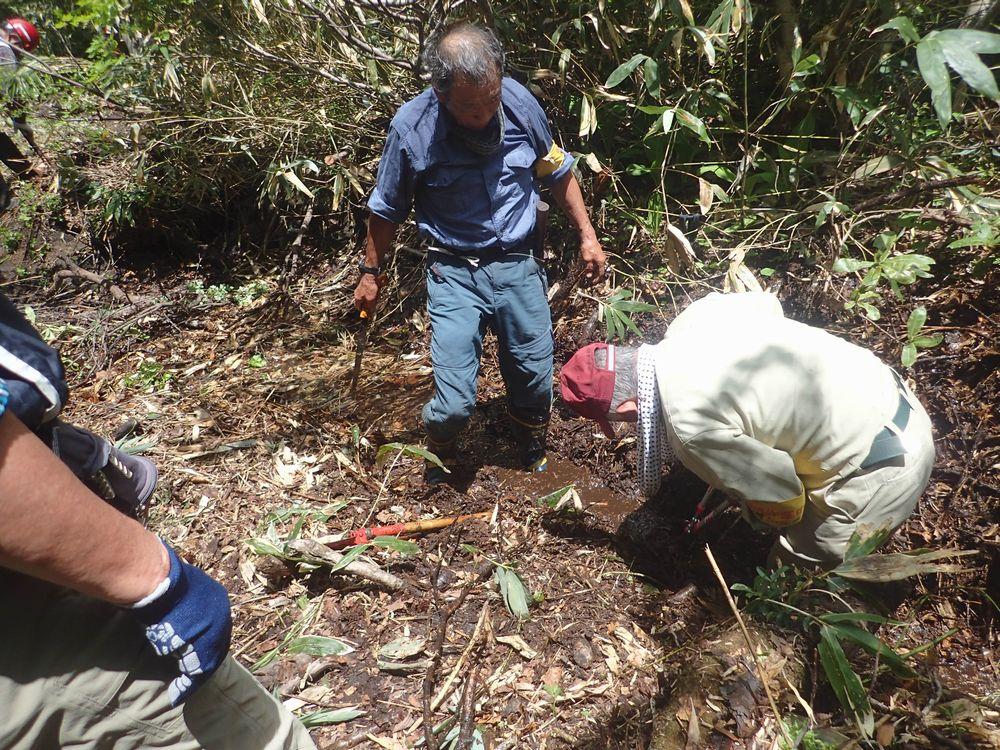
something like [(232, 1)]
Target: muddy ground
[(247, 411)]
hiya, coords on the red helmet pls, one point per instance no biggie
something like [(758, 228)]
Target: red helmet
[(25, 31)]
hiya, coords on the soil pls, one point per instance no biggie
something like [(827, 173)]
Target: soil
[(249, 415)]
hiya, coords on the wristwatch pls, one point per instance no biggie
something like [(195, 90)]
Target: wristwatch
[(373, 270)]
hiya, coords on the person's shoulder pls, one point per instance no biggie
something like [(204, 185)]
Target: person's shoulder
[(418, 114)]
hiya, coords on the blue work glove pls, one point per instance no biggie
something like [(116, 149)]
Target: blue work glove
[(189, 618)]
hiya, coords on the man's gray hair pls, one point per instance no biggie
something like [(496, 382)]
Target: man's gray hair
[(462, 50)]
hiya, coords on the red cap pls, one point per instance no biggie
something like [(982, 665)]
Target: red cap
[(25, 31), (588, 389)]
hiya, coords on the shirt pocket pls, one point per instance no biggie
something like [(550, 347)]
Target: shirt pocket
[(454, 189), (519, 167)]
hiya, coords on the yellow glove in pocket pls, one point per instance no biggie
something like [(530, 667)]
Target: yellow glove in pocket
[(779, 513)]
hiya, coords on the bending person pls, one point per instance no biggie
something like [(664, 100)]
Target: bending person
[(814, 436)]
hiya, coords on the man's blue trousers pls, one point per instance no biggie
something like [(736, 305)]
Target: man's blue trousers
[(506, 293)]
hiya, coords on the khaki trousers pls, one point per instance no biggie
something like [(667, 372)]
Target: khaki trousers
[(77, 672), (865, 501)]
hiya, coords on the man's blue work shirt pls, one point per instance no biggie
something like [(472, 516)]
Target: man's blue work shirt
[(463, 201)]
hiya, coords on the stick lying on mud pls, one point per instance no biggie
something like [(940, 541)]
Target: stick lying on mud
[(316, 552)]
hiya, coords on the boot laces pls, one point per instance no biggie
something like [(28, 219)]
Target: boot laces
[(116, 462), (103, 486)]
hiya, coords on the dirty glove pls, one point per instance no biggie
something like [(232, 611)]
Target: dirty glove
[(187, 617)]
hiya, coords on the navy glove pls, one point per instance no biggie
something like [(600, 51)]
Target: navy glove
[(189, 618)]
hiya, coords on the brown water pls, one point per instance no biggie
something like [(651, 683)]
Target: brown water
[(594, 494)]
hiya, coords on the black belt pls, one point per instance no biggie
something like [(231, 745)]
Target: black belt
[(487, 254), (887, 444)]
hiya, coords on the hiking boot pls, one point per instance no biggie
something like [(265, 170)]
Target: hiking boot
[(448, 453), (125, 481), (530, 440)]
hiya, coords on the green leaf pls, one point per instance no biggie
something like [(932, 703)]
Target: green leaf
[(897, 566), (916, 321), (667, 120), (632, 306), (928, 342), (845, 682), (909, 355), (624, 70), (553, 498), (866, 540), (968, 65), (980, 42), (874, 645), (403, 546), (651, 75), (318, 645), (402, 648), (588, 116), (409, 450), (705, 45), (330, 716), (265, 547), (692, 123), (350, 555), (930, 60), (904, 26), (515, 595), (875, 166), (554, 690), (871, 312), (834, 617), (850, 265)]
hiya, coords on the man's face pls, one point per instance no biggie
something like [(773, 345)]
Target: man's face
[(472, 105), (12, 39)]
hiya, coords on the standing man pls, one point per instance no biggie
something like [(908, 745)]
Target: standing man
[(468, 155), (16, 34), (814, 436)]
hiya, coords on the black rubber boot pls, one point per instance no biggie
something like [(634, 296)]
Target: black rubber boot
[(448, 453), (530, 440)]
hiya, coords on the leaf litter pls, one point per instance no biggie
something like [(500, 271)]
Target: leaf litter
[(590, 617)]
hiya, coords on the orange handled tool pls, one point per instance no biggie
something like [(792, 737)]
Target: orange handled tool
[(360, 536)]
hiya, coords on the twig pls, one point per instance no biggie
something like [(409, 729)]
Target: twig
[(316, 552), (72, 270), (473, 641), (750, 645), (443, 616), (945, 740), (467, 711), (427, 689), (924, 187)]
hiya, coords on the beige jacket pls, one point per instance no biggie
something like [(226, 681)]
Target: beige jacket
[(770, 410)]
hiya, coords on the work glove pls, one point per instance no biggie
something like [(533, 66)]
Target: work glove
[(187, 617), (777, 514)]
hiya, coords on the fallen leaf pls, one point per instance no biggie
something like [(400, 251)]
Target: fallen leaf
[(518, 643)]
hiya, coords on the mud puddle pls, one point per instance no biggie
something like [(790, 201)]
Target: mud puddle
[(594, 494)]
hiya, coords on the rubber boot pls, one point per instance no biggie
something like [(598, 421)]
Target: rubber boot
[(448, 453), (530, 440)]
